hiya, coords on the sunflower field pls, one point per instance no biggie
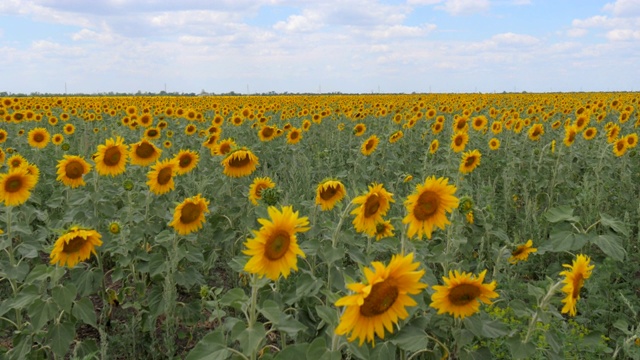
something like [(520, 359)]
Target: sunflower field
[(424, 226)]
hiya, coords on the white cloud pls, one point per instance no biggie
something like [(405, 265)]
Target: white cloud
[(464, 7), (624, 8), (623, 35), (308, 21), (514, 39), (577, 32)]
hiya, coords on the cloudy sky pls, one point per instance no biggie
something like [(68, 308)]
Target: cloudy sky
[(319, 45)]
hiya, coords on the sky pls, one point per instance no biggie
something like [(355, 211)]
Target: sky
[(316, 46)]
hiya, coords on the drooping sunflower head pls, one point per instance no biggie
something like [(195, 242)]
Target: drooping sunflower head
[(160, 178), (373, 206), (144, 153), (187, 160), (381, 301), (39, 138), (462, 293), (521, 253), (71, 169), (76, 245), (111, 157), (470, 160), (16, 186), (267, 133), (274, 249), (188, 216), (428, 205), (575, 275), (329, 193), (240, 162), (369, 145), (259, 184)]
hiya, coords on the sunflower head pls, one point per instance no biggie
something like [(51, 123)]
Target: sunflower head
[(373, 206), (188, 216), (521, 253), (240, 162), (115, 227), (16, 186), (462, 293), (328, 193), (575, 275), (257, 188), (76, 245), (428, 205)]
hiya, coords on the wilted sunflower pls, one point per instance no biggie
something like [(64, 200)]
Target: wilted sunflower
[(75, 246), (38, 138), (384, 229), (521, 253), (459, 140), (16, 161), (370, 145), (71, 169), (428, 205), (577, 273), (535, 132), (188, 216), (373, 206), (144, 153), (294, 136), (329, 193), (470, 160), (274, 249), (462, 293), (187, 160), (111, 158), (239, 162), (259, 184), (381, 301), (161, 176), (16, 186), (494, 144)]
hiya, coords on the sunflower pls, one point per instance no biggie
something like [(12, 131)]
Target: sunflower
[(3, 135), (496, 127), (370, 145), (16, 161), (428, 205), (462, 293), (381, 301), (190, 129), (161, 176), (188, 216), (384, 229), (75, 246), (16, 186), (329, 193), (267, 133), (437, 127), (2, 156), (396, 136), (294, 136), (570, 133), (459, 140), (306, 125), (166, 144), (274, 248), (259, 184), (71, 170), (373, 206), (494, 144), (359, 129), (433, 147), (577, 273), (144, 153), (479, 123), (469, 217), (111, 157), (115, 227), (620, 147), (152, 133), (38, 138), (240, 162), (521, 253), (470, 161), (631, 139), (224, 147), (187, 160), (612, 133), (535, 132), (589, 133)]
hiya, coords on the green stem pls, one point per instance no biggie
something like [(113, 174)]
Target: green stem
[(541, 306)]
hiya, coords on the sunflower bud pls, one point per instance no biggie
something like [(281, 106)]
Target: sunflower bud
[(271, 196), (127, 185), (466, 204)]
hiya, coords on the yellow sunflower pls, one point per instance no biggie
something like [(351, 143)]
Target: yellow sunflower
[(494, 144), (433, 147), (570, 133), (381, 301), (240, 162), (187, 160), (16, 161), (631, 139), (384, 229), (57, 139), (521, 253), (428, 205), (223, 147), (3, 156), (396, 136), (71, 169), (370, 145), (329, 193), (69, 129), (188, 216), (359, 129), (577, 273), (111, 158), (144, 153), (459, 140), (294, 136), (152, 133), (259, 184), (462, 293), (274, 249), (38, 138), (470, 160), (75, 246), (535, 132), (3, 135), (267, 133), (161, 176), (373, 206), (16, 186), (620, 147)]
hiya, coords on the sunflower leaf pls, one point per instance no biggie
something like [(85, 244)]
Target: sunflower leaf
[(561, 213), (210, 347), (613, 224), (296, 351), (611, 245), (411, 338), (251, 338), (64, 296), (84, 310), (61, 337)]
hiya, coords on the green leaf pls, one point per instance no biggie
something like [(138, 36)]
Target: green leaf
[(25, 298), (64, 295), (61, 335), (22, 344), (317, 348), (613, 224), (564, 240), (84, 310), (610, 245), (283, 322), (251, 338), (520, 350), (327, 314), (561, 213), (210, 347), (553, 341), (622, 325), (234, 298), (484, 327), (17, 273), (410, 338), (40, 312), (297, 351), (361, 352), (383, 351)]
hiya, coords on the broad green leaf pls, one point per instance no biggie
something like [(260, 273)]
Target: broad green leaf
[(83, 309), (25, 298), (613, 224), (61, 335), (327, 314), (622, 325), (561, 213), (553, 341), (210, 347), (64, 295), (317, 348), (40, 312), (520, 350), (484, 327), (234, 298), (296, 351), (410, 338), (610, 245), (283, 322), (251, 338)]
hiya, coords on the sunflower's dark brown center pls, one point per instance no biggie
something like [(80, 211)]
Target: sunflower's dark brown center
[(519, 251), (164, 176), (145, 150), (16, 163), (112, 156), (13, 184), (38, 137), (578, 281), (381, 228), (372, 205), (239, 161), (1, 136), (224, 148), (267, 132), (277, 245), (458, 140), (463, 294), (427, 204), (293, 135), (382, 296), (74, 245), (369, 145), (470, 161), (536, 132), (620, 145), (572, 136), (631, 141), (328, 192), (190, 213), (152, 133), (185, 161), (74, 170)]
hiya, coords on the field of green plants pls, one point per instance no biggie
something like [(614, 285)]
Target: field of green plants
[(426, 226)]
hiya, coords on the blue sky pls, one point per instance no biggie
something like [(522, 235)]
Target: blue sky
[(350, 46)]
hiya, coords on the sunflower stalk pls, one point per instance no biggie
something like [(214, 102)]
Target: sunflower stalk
[(12, 261), (170, 297), (542, 304)]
